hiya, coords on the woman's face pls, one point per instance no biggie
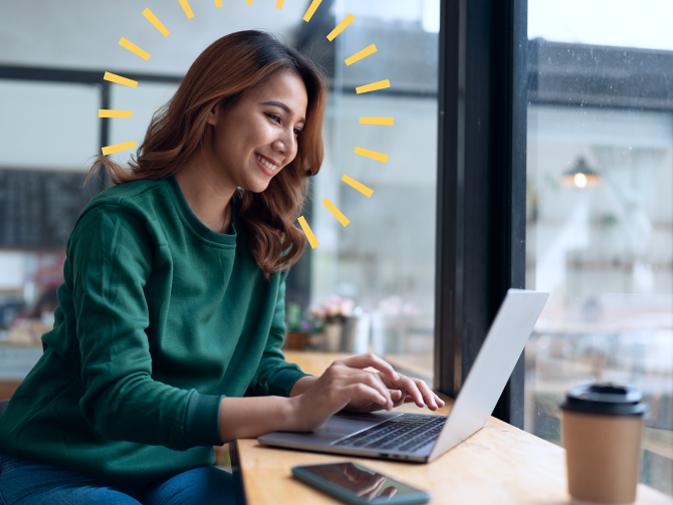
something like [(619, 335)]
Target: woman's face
[(256, 137)]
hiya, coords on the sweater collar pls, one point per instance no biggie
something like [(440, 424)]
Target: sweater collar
[(195, 223)]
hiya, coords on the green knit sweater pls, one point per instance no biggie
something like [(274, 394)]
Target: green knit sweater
[(158, 318)]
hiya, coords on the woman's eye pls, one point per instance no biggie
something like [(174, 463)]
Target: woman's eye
[(274, 117), (297, 131)]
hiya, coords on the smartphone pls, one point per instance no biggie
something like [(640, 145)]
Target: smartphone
[(355, 483)]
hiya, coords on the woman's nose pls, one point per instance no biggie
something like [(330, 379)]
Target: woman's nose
[(279, 146), (284, 144)]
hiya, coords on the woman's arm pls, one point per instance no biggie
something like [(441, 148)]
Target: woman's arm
[(108, 265), (254, 416), (274, 375)]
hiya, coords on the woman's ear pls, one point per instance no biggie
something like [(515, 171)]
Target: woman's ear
[(211, 119)]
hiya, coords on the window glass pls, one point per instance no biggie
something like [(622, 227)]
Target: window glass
[(380, 268), (144, 101), (42, 166), (600, 213), (31, 125)]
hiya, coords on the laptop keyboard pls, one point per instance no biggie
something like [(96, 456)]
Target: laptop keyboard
[(407, 432)]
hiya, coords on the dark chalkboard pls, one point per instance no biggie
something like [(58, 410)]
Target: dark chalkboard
[(38, 208)]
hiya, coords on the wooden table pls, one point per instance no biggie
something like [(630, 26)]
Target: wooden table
[(499, 465)]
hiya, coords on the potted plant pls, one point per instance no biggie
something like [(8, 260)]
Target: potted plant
[(299, 328)]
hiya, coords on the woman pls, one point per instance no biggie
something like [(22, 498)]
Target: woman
[(168, 333)]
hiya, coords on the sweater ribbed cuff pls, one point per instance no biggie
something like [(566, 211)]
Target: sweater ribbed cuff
[(284, 381), (202, 423)]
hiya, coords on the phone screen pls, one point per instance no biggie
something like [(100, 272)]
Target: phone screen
[(365, 483)]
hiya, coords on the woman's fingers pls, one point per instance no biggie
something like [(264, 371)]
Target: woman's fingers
[(418, 390), (411, 388), (428, 396), (360, 391), (373, 380), (389, 385), (371, 360), (396, 395)]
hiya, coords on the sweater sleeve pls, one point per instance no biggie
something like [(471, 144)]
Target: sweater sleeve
[(111, 254), (274, 375)]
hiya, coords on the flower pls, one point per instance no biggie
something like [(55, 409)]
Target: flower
[(335, 309), (295, 320)]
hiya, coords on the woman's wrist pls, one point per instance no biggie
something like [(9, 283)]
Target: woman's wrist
[(293, 413), (302, 385)]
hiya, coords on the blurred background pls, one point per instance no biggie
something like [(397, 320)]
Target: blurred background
[(599, 183)]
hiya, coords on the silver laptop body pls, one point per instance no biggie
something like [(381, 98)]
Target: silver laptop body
[(504, 344)]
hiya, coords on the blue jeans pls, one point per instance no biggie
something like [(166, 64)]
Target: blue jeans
[(24, 482)]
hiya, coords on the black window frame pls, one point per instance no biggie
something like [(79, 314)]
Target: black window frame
[(481, 176)]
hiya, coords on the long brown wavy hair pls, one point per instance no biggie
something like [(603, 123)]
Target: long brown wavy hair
[(226, 69)]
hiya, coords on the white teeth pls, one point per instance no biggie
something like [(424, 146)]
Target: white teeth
[(266, 163)]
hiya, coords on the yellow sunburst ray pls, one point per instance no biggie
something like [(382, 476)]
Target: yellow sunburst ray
[(118, 79), (338, 29), (187, 9), (311, 10), (373, 155), (115, 148), (372, 86), (313, 242), (130, 46), (362, 54), (154, 21), (114, 113), (336, 212), (357, 185), (381, 120)]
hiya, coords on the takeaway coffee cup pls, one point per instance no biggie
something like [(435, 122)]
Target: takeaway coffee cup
[(601, 431)]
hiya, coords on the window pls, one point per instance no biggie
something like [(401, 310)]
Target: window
[(33, 114), (599, 212), (41, 170), (144, 101), (383, 261)]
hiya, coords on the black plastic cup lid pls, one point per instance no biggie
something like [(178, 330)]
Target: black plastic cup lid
[(605, 399)]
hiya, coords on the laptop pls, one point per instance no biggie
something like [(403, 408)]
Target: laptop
[(421, 437)]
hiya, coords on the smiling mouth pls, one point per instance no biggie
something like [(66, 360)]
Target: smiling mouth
[(268, 167)]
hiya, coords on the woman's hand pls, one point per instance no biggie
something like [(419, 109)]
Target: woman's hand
[(403, 389), (349, 384)]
